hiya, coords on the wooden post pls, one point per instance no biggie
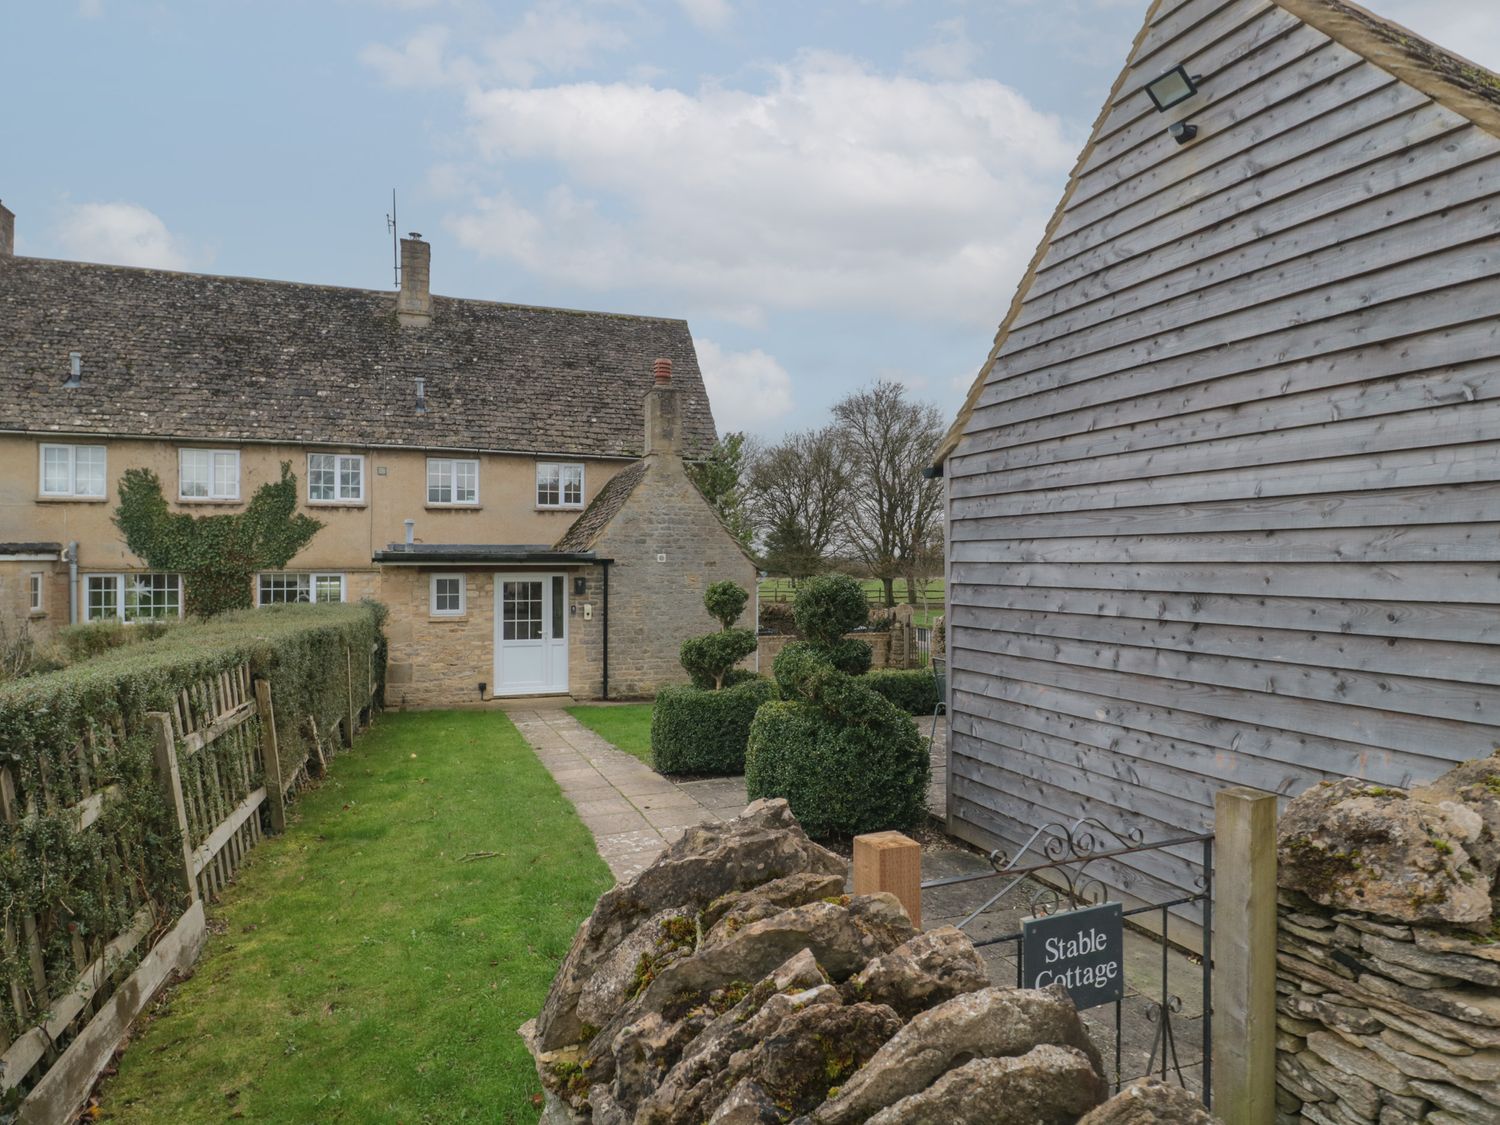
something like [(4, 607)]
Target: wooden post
[(890, 862), (169, 780), (1244, 1015), (270, 756), (349, 697)]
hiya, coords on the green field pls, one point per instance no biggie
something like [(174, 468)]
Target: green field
[(781, 590), (373, 963)]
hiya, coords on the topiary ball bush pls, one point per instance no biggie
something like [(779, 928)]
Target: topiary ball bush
[(914, 691), (829, 606), (710, 659), (725, 601), (798, 659), (848, 763), (697, 731)]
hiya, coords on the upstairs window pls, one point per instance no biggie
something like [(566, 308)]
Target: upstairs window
[(133, 597), (208, 474), (335, 478), (451, 481), (73, 470), (274, 588), (559, 485)]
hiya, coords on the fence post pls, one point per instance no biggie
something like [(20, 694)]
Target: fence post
[(890, 862), (1244, 983), (169, 780), (270, 756), (350, 712)]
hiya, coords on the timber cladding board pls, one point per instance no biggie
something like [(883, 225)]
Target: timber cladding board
[(1226, 509)]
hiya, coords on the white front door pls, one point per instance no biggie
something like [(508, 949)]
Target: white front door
[(531, 634)]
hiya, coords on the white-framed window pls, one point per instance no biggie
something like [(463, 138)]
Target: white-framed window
[(452, 481), (449, 595), (559, 485), (278, 588), (73, 470), (335, 478), (36, 587), (133, 597), (208, 474)]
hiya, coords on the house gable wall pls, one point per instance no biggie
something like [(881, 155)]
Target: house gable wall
[(1224, 511)]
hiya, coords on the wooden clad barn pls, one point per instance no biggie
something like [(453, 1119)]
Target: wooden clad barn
[(1224, 502)]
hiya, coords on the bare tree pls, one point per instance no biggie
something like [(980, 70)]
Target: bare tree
[(893, 511), (797, 491)]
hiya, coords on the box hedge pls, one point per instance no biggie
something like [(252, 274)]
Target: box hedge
[(914, 691), (697, 731)]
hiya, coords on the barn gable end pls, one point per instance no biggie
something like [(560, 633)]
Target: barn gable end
[(1224, 504)]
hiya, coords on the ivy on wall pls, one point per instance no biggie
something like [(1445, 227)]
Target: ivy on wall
[(216, 555)]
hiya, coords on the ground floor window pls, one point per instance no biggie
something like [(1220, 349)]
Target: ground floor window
[(282, 589), (448, 595), (133, 597), (34, 589)]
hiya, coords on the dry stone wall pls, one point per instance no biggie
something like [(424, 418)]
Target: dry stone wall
[(734, 983), (1388, 1006)]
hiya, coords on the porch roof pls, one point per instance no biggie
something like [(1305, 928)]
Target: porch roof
[(482, 554)]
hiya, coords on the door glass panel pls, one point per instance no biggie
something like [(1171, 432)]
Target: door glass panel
[(522, 612), (557, 607)]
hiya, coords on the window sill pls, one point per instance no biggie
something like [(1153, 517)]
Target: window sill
[(454, 618), (209, 502), (560, 507), (338, 504), (453, 507), (37, 614), (72, 499)]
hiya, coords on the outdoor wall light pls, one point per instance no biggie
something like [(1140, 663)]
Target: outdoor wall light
[(1172, 88)]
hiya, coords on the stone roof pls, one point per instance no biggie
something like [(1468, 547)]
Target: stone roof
[(498, 553), (30, 549), (595, 518), (176, 355)]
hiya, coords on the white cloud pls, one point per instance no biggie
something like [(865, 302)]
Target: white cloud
[(710, 15), (554, 37), (91, 9), (745, 389), (950, 53), (833, 187), (124, 234)]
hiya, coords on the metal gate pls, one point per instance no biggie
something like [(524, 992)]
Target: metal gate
[(1055, 873)]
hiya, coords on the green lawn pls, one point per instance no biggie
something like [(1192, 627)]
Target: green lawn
[(627, 725), (363, 969)]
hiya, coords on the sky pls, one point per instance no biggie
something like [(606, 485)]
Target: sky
[(829, 191)]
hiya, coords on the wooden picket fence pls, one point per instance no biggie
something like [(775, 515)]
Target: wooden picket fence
[(217, 765)]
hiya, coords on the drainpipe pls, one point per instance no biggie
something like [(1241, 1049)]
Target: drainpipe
[(605, 693), (73, 583)]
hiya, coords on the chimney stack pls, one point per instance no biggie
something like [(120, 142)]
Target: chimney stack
[(661, 410), (7, 232), (414, 303)]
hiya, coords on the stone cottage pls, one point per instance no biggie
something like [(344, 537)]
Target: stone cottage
[(509, 480)]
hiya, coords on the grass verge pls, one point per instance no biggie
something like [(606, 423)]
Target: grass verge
[(627, 725), (374, 963)]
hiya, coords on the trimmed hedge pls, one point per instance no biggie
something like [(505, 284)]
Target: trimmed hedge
[(914, 691), (840, 777), (697, 731)]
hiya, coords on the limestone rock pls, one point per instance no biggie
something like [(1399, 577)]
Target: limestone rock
[(1370, 848), (1476, 786), (741, 907), (747, 1104), (1048, 1085), (927, 970), (1151, 1102), (708, 861), (668, 936), (993, 1023)]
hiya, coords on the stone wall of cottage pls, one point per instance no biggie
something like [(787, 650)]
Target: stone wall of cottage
[(1388, 953), (438, 661), (668, 546), (16, 616)]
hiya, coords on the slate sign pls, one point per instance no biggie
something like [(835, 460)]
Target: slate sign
[(1083, 950)]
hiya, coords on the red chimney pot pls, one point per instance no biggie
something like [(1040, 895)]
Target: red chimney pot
[(662, 370)]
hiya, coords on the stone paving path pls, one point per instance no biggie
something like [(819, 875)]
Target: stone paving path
[(632, 810)]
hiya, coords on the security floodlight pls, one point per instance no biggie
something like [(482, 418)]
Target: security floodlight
[(1172, 88)]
